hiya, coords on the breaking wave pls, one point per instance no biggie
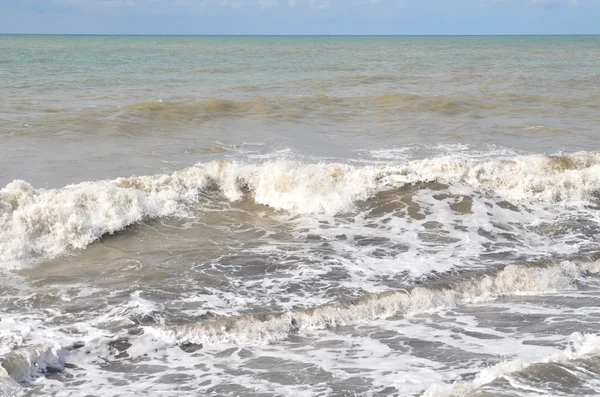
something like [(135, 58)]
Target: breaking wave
[(25, 364), (269, 328), (581, 348), (48, 222)]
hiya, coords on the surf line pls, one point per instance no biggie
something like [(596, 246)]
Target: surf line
[(533, 278)]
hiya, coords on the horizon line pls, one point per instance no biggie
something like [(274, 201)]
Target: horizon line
[(301, 34)]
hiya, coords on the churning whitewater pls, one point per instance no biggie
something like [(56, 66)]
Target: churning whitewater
[(512, 280), (299, 216), (48, 222), (41, 224)]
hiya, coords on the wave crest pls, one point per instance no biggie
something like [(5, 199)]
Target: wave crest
[(47, 222), (270, 328)]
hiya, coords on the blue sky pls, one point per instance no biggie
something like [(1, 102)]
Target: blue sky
[(301, 16)]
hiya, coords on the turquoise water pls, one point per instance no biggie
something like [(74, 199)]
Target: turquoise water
[(299, 216), (99, 62)]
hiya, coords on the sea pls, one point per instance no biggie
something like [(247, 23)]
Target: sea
[(299, 216)]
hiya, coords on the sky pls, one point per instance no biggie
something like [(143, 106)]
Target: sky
[(310, 17)]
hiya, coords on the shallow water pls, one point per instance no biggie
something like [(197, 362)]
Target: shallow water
[(331, 216)]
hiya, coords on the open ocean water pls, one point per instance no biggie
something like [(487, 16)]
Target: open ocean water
[(299, 216)]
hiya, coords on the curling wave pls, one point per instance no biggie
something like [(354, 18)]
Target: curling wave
[(48, 222)]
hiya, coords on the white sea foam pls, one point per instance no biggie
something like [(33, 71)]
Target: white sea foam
[(265, 329), (579, 346), (48, 222), (25, 364), (572, 179)]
